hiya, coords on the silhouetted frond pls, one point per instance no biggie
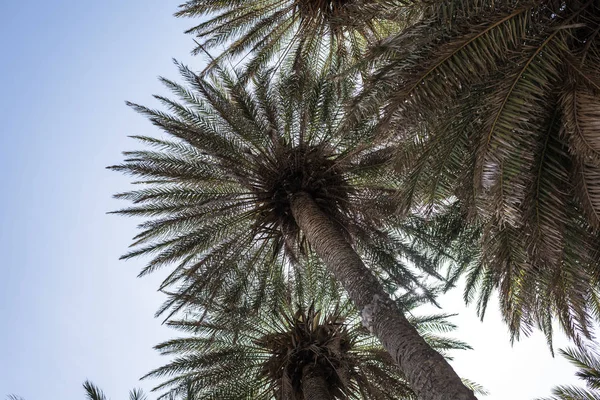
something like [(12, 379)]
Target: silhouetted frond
[(93, 392)]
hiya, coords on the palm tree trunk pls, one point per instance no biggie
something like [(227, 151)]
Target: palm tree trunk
[(314, 385), (427, 372)]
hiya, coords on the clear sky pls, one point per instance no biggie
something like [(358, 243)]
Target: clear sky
[(69, 309)]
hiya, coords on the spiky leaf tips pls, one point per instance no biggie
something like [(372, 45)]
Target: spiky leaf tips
[(299, 34), (217, 195), (496, 104), (291, 169), (311, 343)]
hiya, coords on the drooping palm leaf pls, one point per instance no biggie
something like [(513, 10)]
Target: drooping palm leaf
[(496, 104)]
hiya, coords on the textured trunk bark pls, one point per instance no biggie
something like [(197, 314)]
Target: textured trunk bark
[(314, 385), (427, 372)]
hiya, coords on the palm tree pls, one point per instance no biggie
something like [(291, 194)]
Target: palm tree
[(588, 362), (296, 33), (311, 345), (497, 104), (254, 175), (94, 393)]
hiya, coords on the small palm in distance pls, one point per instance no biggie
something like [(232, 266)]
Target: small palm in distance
[(93, 392)]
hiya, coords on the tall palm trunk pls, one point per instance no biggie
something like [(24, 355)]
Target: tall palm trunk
[(427, 372), (314, 384)]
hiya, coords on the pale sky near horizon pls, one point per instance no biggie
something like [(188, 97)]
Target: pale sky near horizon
[(70, 310)]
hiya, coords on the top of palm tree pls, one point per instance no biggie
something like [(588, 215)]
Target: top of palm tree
[(588, 362), (217, 192), (297, 33), (497, 104), (308, 340), (269, 353)]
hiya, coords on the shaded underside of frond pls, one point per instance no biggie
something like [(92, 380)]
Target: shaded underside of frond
[(499, 108), (299, 35)]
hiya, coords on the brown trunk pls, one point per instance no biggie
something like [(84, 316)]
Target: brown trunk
[(314, 385), (427, 372)]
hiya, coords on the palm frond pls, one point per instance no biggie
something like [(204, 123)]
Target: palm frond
[(298, 35), (588, 363), (93, 392), (495, 104)]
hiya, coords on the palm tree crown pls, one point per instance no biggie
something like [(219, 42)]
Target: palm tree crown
[(93, 392), (497, 104), (219, 194), (313, 336)]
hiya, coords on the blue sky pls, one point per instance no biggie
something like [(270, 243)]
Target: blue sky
[(69, 309)]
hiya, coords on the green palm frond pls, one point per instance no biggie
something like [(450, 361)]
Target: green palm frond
[(298, 34), (588, 362), (495, 104), (264, 354), (573, 393), (216, 195)]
